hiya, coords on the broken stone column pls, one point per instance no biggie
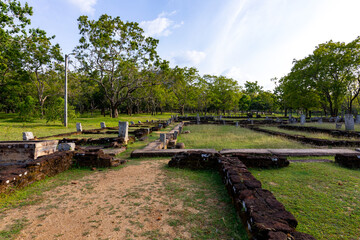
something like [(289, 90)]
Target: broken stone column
[(302, 119), (28, 136), (102, 125), (124, 131), (163, 139), (349, 122), (78, 127)]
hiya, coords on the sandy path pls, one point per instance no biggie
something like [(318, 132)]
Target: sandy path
[(122, 204)]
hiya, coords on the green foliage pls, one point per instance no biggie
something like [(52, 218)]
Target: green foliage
[(327, 77), (55, 111), (116, 55), (27, 109)]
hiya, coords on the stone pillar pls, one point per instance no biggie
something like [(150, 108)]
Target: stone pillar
[(163, 139), (28, 136), (197, 119), (224, 122), (220, 117), (175, 134), (78, 127), (302, 119), (349, 122), (237, 124), (102, 125), (124, 131), (357, 121), (338, 126), (320, 120), (180, 129)]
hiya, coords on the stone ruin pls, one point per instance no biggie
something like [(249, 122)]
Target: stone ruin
[(261, 213)]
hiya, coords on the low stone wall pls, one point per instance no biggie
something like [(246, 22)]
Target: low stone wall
[(334, 133), (313, 141), (98, 141), (195, 160), (96, 159), (20, 175), (348, 160), (262, 160), (262, 214)]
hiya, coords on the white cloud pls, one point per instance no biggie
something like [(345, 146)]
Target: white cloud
[(160, 26), (188, 58), (85, 6)]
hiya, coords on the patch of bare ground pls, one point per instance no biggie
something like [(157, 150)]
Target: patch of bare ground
[(139, 201)]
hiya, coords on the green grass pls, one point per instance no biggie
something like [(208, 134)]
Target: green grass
[(13, 229), (221, 137), (307, 134), (213, 215), (324, 197), (11, 129), (326, 126)]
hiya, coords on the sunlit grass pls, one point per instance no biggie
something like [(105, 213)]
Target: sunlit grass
[(11, 128), (331, 126), (324, 197), (307, 134), (221, 137)]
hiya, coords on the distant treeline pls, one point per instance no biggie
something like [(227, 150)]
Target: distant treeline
[(115, 68)]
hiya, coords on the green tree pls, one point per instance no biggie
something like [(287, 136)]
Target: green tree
[(41, 60), (116, 55)]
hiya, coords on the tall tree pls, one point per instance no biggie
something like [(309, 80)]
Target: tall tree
[(41, 60), (116, 55)]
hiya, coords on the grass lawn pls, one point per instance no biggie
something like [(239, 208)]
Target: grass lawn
[(326, 126), (221, 137), (324, 197), (11, 129), (203, 191), (308, 134)]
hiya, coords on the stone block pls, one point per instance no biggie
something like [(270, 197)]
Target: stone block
[(124, 131), (302, 119), (66, 147), (102, 125), (78, 127), (349, 122), (28, 136)]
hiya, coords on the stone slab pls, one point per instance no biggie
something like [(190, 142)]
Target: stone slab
[(114, 151), (14, 151), (165, 152)]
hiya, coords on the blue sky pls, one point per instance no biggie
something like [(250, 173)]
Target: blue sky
[(248, 40)]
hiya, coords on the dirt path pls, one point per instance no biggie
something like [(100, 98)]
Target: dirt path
[(121, 204)]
